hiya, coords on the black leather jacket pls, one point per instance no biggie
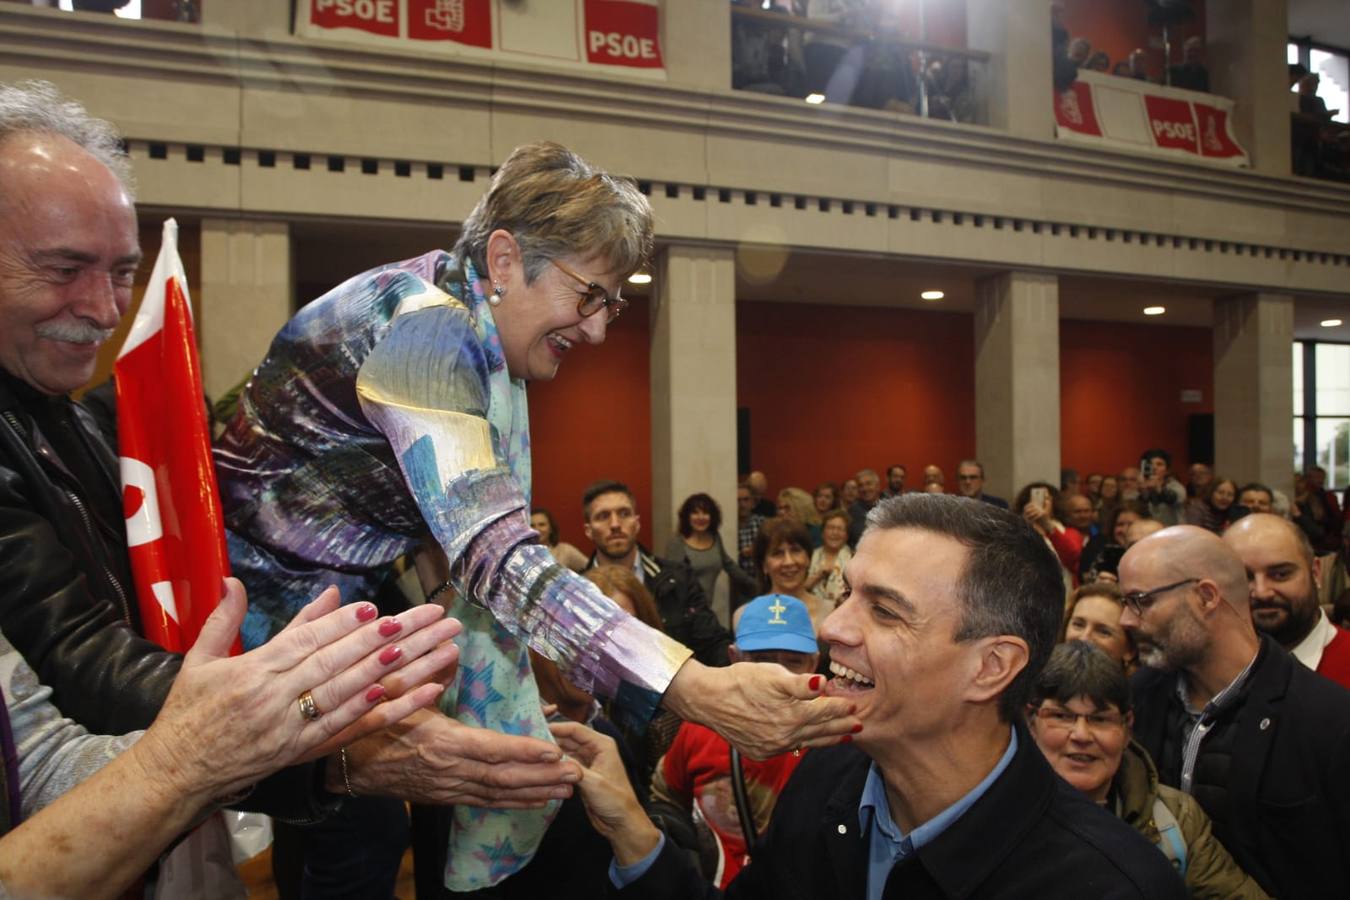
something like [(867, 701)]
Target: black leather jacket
[(67, 601)]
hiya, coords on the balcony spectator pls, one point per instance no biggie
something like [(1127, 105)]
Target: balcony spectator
[(1079, 52), (1138, 64), (1099, 62), (1191, 74), (1064, 71), (950, 95), (759, 58)]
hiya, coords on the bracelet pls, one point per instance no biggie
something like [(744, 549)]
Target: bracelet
[(346, 779), (440, 589)]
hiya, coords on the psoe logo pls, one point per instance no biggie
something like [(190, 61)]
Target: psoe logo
[(446, 15)]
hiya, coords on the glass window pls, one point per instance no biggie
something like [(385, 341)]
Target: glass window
[(1333, 449), (1334, 71), (1333, 380), (1298, 377), (1291, 54), (1298, 444)]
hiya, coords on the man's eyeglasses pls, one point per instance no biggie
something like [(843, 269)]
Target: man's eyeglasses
[(1140, 601), (1064, 719), (594, 298)]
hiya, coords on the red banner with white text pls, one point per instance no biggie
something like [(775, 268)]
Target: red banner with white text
[(1123, 113), (607, 35)]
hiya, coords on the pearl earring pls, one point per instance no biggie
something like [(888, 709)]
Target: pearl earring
[(498, 292)]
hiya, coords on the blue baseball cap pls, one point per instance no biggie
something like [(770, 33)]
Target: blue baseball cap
[(776, 622)]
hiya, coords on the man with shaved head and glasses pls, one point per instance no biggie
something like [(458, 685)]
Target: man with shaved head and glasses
[(1232, 718)]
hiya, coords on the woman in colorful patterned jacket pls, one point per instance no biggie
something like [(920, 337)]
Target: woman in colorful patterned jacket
[(392, 409)]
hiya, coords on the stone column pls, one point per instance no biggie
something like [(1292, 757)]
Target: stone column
[(246, 292), (1017, 380), (1245, 52), (1254, 389), (1016, 83), (693, 384), (696, 43)]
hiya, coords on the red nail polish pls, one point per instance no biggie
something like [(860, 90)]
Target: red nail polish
[(857, 728), (390, 627), (390, 654), (815, 682), (366, 611), (846, 739), (375, 693)]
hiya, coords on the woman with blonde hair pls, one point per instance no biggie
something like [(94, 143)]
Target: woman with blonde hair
[(797, 505)]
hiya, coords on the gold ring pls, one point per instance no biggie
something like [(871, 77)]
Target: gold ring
[(308, 708)]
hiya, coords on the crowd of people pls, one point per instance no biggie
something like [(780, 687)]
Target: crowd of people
[(877, 708), (850, 52)]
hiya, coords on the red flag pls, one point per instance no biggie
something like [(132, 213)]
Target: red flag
[(175, 531)]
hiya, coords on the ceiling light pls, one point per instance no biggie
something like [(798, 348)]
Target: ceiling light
[(815, 98), (1331, 323), (1154, 310), (640, 278), (932, 295)]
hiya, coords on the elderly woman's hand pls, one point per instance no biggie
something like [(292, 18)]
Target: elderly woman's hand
[(761, 708), (230, 720)]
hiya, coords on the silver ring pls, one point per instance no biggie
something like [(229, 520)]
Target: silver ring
[(308, 708)]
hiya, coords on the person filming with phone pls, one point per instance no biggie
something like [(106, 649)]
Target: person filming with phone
[(1162, 494)]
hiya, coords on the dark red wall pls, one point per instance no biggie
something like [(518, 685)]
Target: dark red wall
[(1118, 26), (594, 421), (1120, 391), (833, 390)]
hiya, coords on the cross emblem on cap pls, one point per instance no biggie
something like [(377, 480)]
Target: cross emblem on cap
[(777, 609)]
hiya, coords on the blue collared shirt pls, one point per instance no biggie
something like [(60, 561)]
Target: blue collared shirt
[(887, 845)]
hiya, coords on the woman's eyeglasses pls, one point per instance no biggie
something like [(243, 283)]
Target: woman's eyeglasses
[(594, 298)]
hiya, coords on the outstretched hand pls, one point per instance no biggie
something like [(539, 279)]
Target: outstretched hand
[(611, 805), (230, 720), (761, 708)]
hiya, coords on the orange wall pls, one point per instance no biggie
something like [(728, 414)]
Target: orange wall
[(1118, 26), (831, 391), (594, 421), (1120, 391)]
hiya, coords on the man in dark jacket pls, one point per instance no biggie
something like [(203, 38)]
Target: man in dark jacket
[(1260, 741), (612, 524), (953, 611)]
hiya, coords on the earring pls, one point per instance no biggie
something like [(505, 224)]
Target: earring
[(498, 292)]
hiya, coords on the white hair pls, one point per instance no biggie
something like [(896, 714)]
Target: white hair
[(37, 106)]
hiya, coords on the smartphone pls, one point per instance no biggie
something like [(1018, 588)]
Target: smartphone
[(1145, 469), (1039, 496)]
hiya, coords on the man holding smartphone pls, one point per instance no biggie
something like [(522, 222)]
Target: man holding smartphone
[(1162, 494)]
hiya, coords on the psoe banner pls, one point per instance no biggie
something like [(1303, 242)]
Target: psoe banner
[(1111, 111), (613, 35)]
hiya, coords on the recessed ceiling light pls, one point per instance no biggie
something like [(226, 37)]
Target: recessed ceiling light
[(640, 278), (1154, 310), (815, 98), (1331, 323), (932, 295)]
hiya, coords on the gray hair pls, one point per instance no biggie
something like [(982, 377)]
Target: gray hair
[(555, 204), (37, 106), (1011, 584), (1080, 669)]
